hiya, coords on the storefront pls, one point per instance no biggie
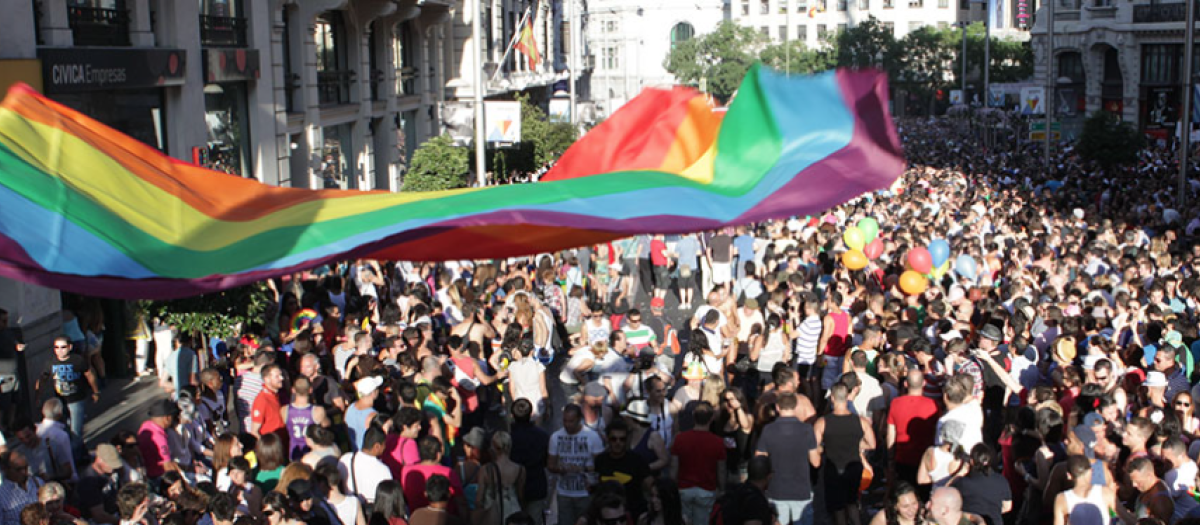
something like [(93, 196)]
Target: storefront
[(337, 151), (228, 76), (122, 88)]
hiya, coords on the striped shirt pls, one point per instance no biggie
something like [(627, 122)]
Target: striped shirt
[(247, 386), (639, 337), (808, 336)]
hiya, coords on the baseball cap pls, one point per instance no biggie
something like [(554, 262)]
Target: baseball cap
[(1155, 379), (657, 302), (990, 332), (368, 385)]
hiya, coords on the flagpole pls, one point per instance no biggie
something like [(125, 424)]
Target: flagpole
[(512, 43), (477, 51)]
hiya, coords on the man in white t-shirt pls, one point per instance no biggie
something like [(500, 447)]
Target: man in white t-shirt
[(961, 406), (363, 470), (1181, 479), (573, 451)]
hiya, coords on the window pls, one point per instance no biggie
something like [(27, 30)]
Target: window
[(611, 60), (943, 25), (404, 48), (964, 5), (822, 33), (682, 32), (801, 6), (334, 78), (889, 4), (842, 5), (1070, 5), (610, 26), (783, 33), (745, 7), (802, 33), (764, 7), (1070, 65), (916, 4), (841, 28), (1159, 62), (915, 26), (943, 4), (890, 27), (766, 31), (864, 5)]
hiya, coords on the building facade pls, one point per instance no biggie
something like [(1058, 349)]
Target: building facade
[(1126, 58), (815, 20)]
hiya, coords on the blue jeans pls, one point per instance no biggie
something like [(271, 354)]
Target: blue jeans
[(76, 410), (571, 509), (697, 504), (794, 512)]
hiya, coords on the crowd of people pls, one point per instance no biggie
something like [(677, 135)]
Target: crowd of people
[(740, 376)]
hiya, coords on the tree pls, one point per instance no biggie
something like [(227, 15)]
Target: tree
[(1109, 141), (794, 57), (720, 59), (924, 59), (1012, 61), (548, 139), (869, 44), (220, 314), (437, 165)]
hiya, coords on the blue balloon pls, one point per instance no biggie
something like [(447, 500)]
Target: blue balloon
[(965, 266), (939, 250)]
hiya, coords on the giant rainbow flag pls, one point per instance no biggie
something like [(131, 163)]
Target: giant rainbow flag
[(86, 209)]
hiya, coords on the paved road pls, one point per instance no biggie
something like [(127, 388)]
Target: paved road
[(124, 405)]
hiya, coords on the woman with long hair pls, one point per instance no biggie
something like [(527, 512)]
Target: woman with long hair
[(984, 491), (903, 508), (292, 472), (1182, 403), (271, 460), (502, 484), (225, 447), (666, 507), (735, 423), (389, 506)]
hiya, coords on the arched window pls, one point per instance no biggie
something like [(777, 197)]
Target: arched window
[(682, 32)]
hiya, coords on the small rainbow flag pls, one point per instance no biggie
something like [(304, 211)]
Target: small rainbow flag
[(86, 209)]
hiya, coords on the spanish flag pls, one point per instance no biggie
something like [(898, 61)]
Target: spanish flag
[(526, 44)]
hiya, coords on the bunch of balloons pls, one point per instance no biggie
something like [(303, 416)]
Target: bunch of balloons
[(863, 242)]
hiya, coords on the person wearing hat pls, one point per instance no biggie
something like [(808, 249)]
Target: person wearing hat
[(1156, 389), (644, 441), (152, 439), (96, 492), (360, 413)]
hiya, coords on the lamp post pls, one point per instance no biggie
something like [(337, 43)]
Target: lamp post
[(1049, 107), (1185, 141), (477, 59)]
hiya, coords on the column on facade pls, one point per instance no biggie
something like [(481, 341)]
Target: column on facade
[(179, 27), (265, 128), (55, 25), (141, 33), (306, 20), (386, 136)]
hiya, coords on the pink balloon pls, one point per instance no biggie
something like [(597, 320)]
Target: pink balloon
[(873, 249), (920, 260)]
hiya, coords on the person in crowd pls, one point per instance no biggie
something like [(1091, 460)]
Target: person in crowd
[(791, 487), (698, 462)]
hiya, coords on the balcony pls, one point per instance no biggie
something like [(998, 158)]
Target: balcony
[(1156, 13), (96, 26), (222, 31), (333, 87)]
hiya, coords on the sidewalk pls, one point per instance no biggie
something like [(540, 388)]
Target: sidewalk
[(123, 405)]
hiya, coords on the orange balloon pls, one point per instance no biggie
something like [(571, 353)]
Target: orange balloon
[(913, 283), (854, 259)]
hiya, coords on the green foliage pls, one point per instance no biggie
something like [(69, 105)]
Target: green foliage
[(437, 165), (1012, 61), (794, 57), (868, 45), (220, 314), (548, 139), (1109, 141), (720, 58)]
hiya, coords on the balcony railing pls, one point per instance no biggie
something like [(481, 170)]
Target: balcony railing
[(1150, 14), (226, 31), (333, 87), (406, 81), (96, 26)]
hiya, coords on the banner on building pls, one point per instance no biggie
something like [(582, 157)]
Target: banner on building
[(1160, 108), (77, 70), (458, 121), (1033, 100), (502, 121), (560, 110)]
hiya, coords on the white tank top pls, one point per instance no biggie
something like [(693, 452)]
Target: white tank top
[(772, 352), (1087, 511), (941, 467)]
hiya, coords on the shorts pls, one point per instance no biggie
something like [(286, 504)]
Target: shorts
[(662, 276), (720, 273)]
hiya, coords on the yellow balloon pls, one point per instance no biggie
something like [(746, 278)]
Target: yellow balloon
[(854, 260), (854, 238), (913, 283)]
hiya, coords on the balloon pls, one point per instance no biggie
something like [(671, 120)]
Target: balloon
[(939, 250), (940, 271), (854, 260), (965, 266), (919, 260), (913, 283), (869, 227), (873, 249), (854, 238)]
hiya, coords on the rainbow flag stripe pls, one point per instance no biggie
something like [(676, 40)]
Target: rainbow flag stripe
[(86, 209)]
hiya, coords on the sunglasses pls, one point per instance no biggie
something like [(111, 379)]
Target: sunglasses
[(1185, 405)]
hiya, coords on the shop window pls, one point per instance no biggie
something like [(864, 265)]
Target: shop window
[(228, 141), (336, 169), (334, 77), (222, 23), (98, 22)]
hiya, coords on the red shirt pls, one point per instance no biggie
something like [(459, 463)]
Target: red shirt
[(658, 253), (1067, 401), (413, 484), (265, 412), (915, 419), (698, 451)]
